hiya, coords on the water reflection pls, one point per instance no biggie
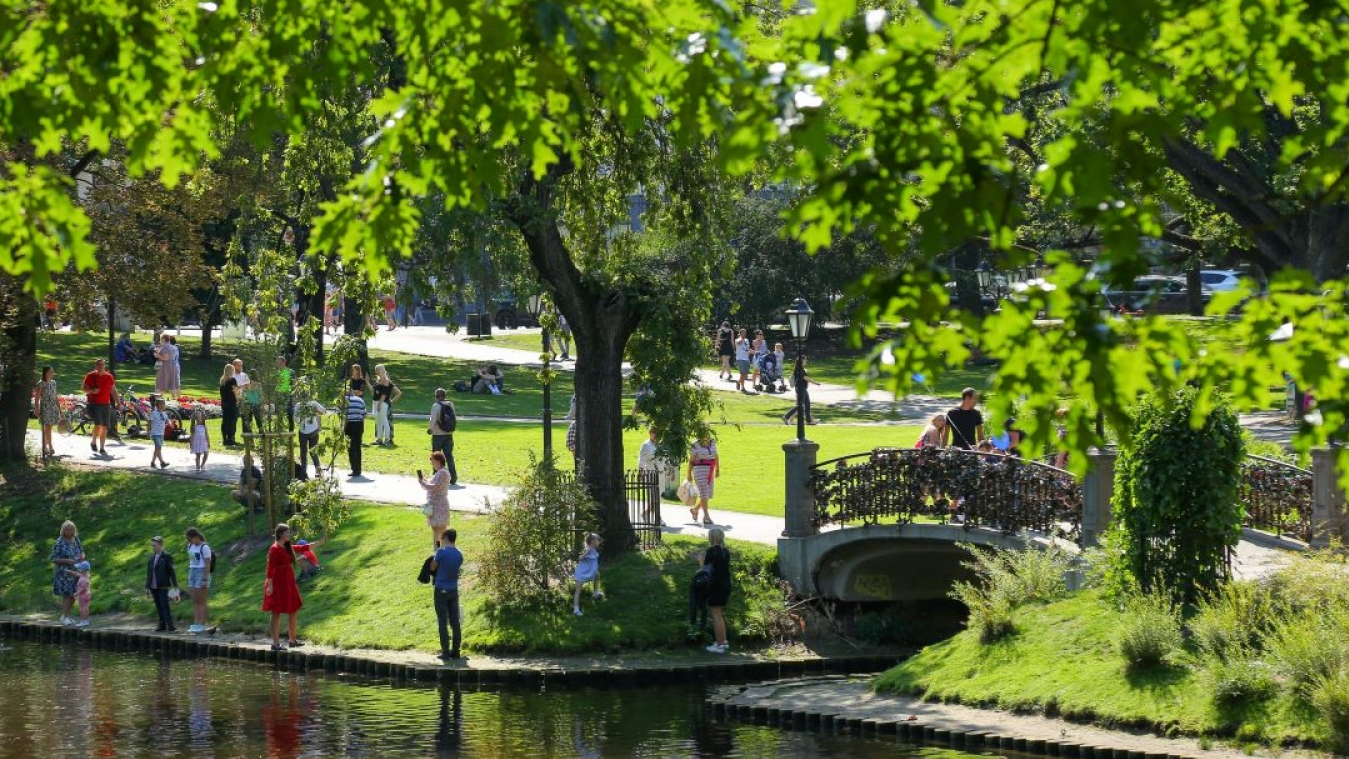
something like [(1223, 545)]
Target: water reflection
[(72, 701)]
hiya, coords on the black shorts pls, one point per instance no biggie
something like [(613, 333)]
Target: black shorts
[(718, 595), (101, 414)]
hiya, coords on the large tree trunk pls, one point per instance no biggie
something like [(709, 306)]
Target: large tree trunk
[(602, 321), (600, 340), (18, 355)]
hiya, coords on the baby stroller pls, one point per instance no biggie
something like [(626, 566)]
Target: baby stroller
[(770, 375)]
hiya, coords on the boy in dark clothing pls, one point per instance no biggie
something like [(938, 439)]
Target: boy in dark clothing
[(159, 578)]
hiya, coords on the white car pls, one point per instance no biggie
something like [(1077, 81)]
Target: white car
[(1219, 280)]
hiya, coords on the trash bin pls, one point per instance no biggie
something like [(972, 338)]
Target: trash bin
[(479, 325)]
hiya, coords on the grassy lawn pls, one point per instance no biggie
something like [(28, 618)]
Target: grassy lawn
[(1063, 660), (366, 596)]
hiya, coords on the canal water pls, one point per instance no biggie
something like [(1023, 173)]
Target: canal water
[(72, 701)]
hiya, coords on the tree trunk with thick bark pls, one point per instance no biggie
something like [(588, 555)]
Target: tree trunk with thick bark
[(18, 355), (602, 319)]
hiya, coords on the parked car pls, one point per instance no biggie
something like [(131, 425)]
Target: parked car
[(1153, 294), (1220, 280)]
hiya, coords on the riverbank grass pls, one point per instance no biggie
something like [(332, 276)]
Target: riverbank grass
[(367, 595), (1064, 660)]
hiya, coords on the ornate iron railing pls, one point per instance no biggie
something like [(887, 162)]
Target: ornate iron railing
[(642, 488), (951, 485), (1278, 497)]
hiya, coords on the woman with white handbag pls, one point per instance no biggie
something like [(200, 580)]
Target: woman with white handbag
[(704, 468), (437, 508)]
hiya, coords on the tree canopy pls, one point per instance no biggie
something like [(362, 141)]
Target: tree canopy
[(907, 120)]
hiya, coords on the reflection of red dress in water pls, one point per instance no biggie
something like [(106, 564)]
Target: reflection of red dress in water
[(285, 595)]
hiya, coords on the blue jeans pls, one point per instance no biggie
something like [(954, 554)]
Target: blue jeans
[(447, 610)]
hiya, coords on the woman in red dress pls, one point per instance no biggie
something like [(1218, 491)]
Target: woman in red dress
[(280, 594)]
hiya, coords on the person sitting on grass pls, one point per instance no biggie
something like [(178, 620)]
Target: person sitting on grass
[(587, 571), (306, 559), (249, 492), (488, 380)]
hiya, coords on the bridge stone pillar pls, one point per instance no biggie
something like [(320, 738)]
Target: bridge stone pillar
[(799, 509), (1330, 519), (1098, 492)]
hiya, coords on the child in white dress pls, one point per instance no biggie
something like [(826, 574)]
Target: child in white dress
[(201, 441)]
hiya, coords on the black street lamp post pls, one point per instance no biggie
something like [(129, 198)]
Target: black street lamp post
[(536, 310), (798, 318)]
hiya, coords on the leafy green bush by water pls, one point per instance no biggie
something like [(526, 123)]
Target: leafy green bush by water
[(1308, 648), (1236, 680), (533, 537), (1008, 579), (1150, 631), (1175, 503), (1228, 623)]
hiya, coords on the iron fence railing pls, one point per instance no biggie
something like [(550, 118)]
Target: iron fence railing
[(1278, 497), (951, 485)]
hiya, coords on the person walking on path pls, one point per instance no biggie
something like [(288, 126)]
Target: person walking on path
[(757, 350), (648, 460), (200, 561), (725, 348), (564, 336), (437, 508), (742, 360), (446, 565), (441, 427), (355, 429), (100, 387), (160, 577), (704, 469), (964, 423), (159, 421), (587, 571), (385, 393), (229, 407), (48, 408), (65, 554), (719, 590), (311, 421), (200, 439), (280, 593), (81, 573), (802, 381)]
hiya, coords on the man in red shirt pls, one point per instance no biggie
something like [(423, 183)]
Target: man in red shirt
[(100, 387)]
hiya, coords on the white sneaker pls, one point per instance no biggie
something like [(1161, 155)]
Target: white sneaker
[(577, 612), (194, 628), (67, 621), (82, 623), (717, 648)]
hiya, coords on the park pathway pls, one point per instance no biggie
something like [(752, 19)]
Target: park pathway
[(133, 454), (224, 466), (914, 409)]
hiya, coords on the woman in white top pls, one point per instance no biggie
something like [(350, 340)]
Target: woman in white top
[(198, 578), (704, 468), (933, 433), (311, 419)]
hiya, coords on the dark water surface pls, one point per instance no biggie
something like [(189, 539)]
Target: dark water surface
[(73, 701)]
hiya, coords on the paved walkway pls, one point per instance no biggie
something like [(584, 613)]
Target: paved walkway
[(435, 341), (854, 699), (224, 466)]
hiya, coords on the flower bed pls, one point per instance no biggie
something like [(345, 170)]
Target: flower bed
[(185, 405)]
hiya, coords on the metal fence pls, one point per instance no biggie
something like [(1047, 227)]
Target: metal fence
[(951, 485), (1278, 497), (642, 492)]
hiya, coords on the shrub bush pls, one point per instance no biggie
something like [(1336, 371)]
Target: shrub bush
[(1331, 699), (1235, 680), (1230, 621), (1176, 495), (533, 537), (1308, 648), (1150, 631), (1008, 579)]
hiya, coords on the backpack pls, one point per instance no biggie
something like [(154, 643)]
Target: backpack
[(702, 579), (446, 419), (460, 386), (424, 576)]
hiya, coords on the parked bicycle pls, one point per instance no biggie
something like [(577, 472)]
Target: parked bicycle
[(133, 414)]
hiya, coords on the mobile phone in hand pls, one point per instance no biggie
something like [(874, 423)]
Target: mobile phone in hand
[(419, 475)]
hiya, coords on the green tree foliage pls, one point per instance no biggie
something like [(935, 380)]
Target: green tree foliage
[(1175, 502)]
